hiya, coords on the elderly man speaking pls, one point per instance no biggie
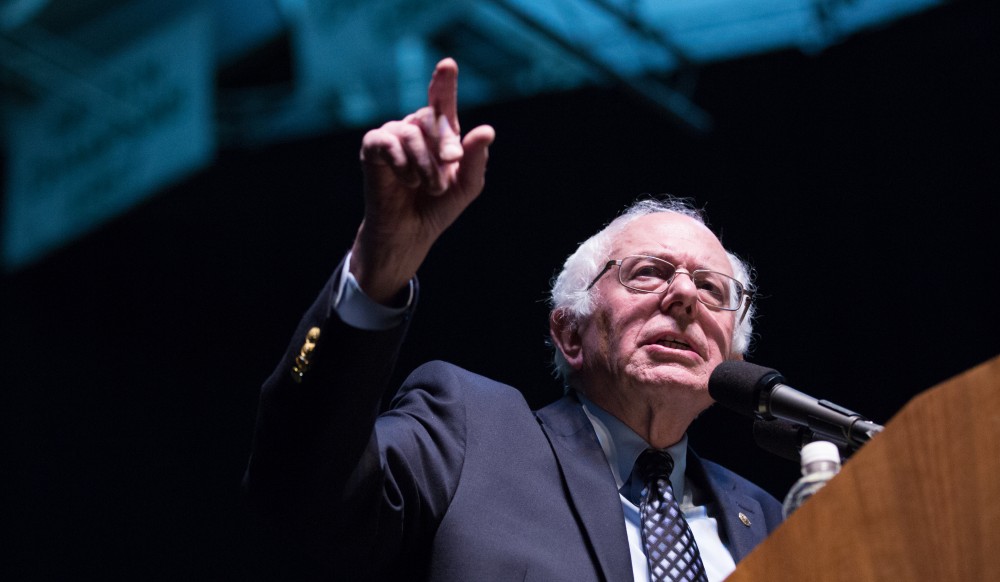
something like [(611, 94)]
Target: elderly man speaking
[(457, 479)]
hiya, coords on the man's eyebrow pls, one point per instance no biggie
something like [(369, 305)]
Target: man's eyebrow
[(667, 254)]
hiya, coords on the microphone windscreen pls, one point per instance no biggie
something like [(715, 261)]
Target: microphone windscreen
[(779, 437), (736, 385)]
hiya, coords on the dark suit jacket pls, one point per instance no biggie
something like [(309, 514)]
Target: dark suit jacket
[(457, 480)]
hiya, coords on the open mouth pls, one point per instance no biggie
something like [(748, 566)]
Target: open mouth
[(676, 344)]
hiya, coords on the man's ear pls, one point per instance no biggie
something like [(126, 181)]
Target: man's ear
[(566, 337)]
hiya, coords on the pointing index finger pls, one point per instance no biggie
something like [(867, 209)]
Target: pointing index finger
[(442, 94)]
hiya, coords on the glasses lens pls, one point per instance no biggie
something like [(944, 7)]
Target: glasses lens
[(717, 290), (645, 273)]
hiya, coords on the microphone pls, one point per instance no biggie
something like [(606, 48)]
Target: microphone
[(760, 392)]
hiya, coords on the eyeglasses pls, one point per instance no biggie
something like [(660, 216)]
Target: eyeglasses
[(652, 275)]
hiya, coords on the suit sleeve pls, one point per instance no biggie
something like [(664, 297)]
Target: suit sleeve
[(352, 487)]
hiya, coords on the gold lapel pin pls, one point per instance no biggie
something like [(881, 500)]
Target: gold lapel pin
[(744, 519), (302, 361)]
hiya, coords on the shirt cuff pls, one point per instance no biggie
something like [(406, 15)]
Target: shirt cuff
[(358, 310)]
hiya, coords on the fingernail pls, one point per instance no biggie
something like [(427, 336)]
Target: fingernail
[(444, 127), (451, 147), (451, 152)]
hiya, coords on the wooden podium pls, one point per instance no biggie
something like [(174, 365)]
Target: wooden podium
[(920, 501)]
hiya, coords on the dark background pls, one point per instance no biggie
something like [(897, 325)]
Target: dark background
[(861, 183)]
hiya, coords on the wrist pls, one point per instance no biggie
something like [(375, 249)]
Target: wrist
[(382, 268)]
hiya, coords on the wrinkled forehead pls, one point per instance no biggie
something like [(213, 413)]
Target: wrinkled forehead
[(678, 238)]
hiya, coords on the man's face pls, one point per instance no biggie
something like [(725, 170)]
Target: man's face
[(657, 348)]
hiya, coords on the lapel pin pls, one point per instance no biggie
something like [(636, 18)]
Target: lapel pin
[(744, 519), (302, 361)]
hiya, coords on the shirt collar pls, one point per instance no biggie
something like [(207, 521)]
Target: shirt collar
[(622, 446)]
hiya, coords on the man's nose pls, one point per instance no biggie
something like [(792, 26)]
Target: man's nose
[(681, 290)]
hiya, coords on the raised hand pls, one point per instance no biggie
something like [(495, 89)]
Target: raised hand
[(419, 176)]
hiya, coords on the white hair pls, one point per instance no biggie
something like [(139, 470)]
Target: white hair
[(571, 297)]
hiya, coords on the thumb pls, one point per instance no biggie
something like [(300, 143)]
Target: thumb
[(472, 172)]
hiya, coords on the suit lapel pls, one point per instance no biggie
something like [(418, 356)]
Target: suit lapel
[(591, 486), (735, 509)]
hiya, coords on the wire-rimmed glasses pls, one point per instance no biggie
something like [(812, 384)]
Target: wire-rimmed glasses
[(654, 275)]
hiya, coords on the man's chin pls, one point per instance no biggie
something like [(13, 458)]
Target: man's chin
[(674, 377)]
